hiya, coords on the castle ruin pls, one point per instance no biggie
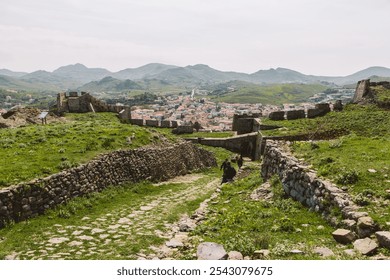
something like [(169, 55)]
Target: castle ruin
[(73, 102)]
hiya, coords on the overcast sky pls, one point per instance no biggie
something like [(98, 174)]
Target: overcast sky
[(328, 37)]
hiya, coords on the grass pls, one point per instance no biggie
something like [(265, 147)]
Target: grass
[(367, 121), (37, 151), (347, 161), (270, 94), (382, 95), (279, 225)]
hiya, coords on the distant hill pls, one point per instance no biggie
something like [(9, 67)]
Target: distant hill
[(156, 76), (81, 73), (280, 75), (142, 72), (10, 73), (276, 94), (7, 82), (363, 74), (110, 84)]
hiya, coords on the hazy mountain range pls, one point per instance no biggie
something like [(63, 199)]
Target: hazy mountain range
[(80, 77)]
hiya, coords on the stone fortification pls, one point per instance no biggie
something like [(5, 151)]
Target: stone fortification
[(30, 199), (72, 102), (248, 145), (303, 184), (320, 109)]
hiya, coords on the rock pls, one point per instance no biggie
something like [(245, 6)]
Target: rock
[(296, 252), (234, 255), (320, 227), (357, 215), (383, 238), (350, 252), (12, 256), (58, 240), (372, 170), (174, 243), (85, 237), (75, 243), (343, 236), (124, 221), (97, 230), (261, 253), (182, 237), (365, 226), (211, 251), (323, 251), (349, 224), (365, 246), (146, 208)]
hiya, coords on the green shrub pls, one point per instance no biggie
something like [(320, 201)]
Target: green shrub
[(347, 177)]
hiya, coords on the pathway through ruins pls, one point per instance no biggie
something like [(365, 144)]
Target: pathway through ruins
[(107, 236)]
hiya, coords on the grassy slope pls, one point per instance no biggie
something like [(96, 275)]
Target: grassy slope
[(347, 160), (363, 120), (278, 224), (36, 151), (270, 94)]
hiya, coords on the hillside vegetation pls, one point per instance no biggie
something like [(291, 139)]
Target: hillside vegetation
[(269, 94), (359, 161), (36, 151), (367, 120)]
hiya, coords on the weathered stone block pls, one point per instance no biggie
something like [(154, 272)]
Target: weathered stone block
[(365, 246), (295, 114), (234, 255), (366, 226), (343, 236), (276, 115), (383, 238), (152, 123), (211, 251)]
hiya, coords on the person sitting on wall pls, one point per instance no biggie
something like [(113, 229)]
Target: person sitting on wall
[(228, 173)]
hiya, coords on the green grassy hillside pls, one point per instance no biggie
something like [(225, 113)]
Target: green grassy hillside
[(270, 94), (363, 120), (37, 151)]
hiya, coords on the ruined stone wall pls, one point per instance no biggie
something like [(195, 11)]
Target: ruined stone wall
[(319, 110), (75, 103), (295, 114), (248, 145), (362, 90), (303, 185), (26, 200)]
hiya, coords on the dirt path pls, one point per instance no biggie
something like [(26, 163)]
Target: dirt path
[(106, 236)]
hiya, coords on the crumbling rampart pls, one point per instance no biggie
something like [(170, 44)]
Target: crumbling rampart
[(302, 184)]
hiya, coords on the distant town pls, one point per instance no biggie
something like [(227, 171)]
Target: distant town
[(190, 107), (218, 116)]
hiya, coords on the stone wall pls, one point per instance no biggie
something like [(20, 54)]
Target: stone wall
[(155, 123), (295, 114), (361, 91), (319, 110), (248, 145), (152, 123), (83, 103), (276, 116), (303, 185), (26, 200)]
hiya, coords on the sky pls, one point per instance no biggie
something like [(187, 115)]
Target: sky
[(329, 37)]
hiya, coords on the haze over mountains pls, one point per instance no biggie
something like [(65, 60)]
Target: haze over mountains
[(80, 77)]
